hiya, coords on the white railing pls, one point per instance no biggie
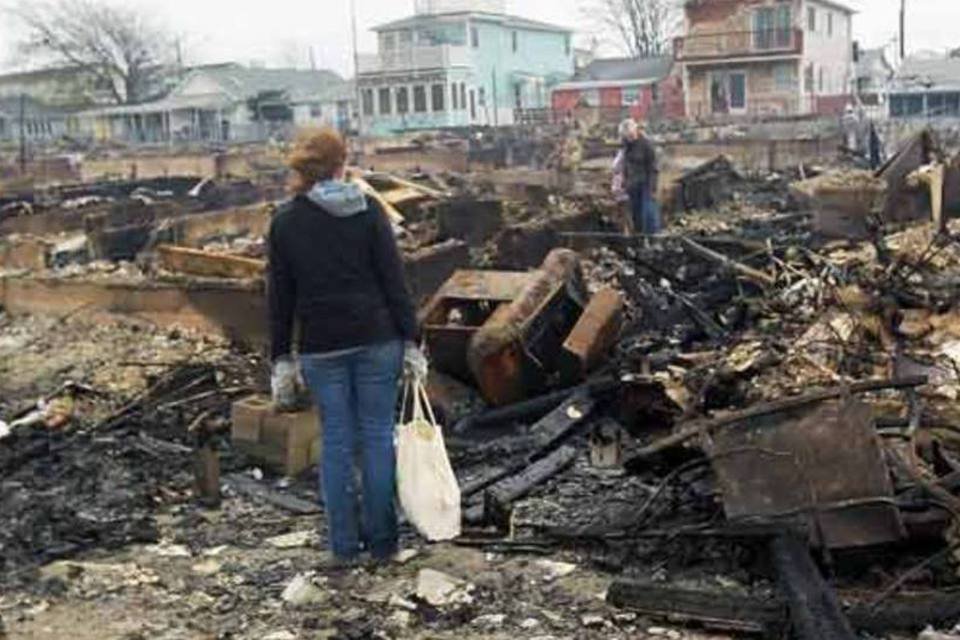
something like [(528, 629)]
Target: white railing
[(413, 58)]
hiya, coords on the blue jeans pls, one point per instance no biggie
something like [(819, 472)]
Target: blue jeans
[(357, 396), (644, 210)]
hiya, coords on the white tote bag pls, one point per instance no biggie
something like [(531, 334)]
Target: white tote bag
[(426, 485)]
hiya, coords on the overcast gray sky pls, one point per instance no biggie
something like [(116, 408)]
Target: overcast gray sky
[(279, 32)]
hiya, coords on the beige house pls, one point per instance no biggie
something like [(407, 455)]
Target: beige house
[(766, 57)]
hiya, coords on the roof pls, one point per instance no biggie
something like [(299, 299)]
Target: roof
[(240, 83), (926, 75), (33, 108), (619, 72), (612, 69), (839, 6), (509, 21), (245, 82)]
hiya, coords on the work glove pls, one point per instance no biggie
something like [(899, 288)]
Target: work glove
[(283, 384), (415, 364)]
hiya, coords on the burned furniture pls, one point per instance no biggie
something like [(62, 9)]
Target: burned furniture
[(506, 331)]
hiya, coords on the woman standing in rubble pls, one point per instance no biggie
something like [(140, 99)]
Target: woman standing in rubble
[(336, 270), (636, 174)]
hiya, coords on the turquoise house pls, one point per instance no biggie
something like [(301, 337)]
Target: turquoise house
[(454, 65)]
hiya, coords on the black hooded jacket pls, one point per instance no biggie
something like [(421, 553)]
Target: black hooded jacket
[(340, 277)]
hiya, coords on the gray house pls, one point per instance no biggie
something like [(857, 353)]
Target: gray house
[(926, 88), (230, 103)]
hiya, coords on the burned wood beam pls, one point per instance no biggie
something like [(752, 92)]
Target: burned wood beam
[(498, 501), (562, 422), (754, 275), (815, 610), (721, 611), (253, 489), (704, 427), (905, 613), (535, 407)]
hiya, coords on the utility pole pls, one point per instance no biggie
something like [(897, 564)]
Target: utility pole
[(496, 104), (23, 134), (903, 29), (356, 66)]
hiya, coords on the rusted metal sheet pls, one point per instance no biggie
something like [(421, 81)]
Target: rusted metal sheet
[(821, 469), (594, 335)]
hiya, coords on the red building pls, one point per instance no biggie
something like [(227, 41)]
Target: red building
[(614, 88)]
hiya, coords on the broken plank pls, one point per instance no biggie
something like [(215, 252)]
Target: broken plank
[(703, 427), (208, 264), (498, 500), (256, 490), (815, 611), (715, 610)]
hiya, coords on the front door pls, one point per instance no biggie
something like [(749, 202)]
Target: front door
[(738, 91)]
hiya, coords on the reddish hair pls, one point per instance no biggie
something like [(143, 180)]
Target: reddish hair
[(317, 155)]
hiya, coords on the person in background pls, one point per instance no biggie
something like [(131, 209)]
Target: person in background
[(335, 269), (876, 147), (640, 176), (618, 185)]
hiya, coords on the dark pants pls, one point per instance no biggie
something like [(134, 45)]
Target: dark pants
[(357, 396), (644, 210)]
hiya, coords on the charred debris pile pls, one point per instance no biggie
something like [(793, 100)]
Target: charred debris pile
[(750, 420)]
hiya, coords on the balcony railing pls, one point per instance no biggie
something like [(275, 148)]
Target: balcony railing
[(414, 58), (764, 42)]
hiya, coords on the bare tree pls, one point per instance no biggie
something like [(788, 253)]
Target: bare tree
[(643, 28), (116, 45)]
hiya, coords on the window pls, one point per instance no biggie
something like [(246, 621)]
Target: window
[(403, 100), (474, 37), (630, 96), (785, 76), (566, 45), (454, 97), (367, 102), (316, 110), (808, 78), (463, 95), (384, 100), (405, 38), (811, 19), (655, 92), (906, 105), (830, 23), (513, 38), (437, 97), (518, 95), (820, 82), (420, 99), (482, 97), (772, 27), (388, 41)]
